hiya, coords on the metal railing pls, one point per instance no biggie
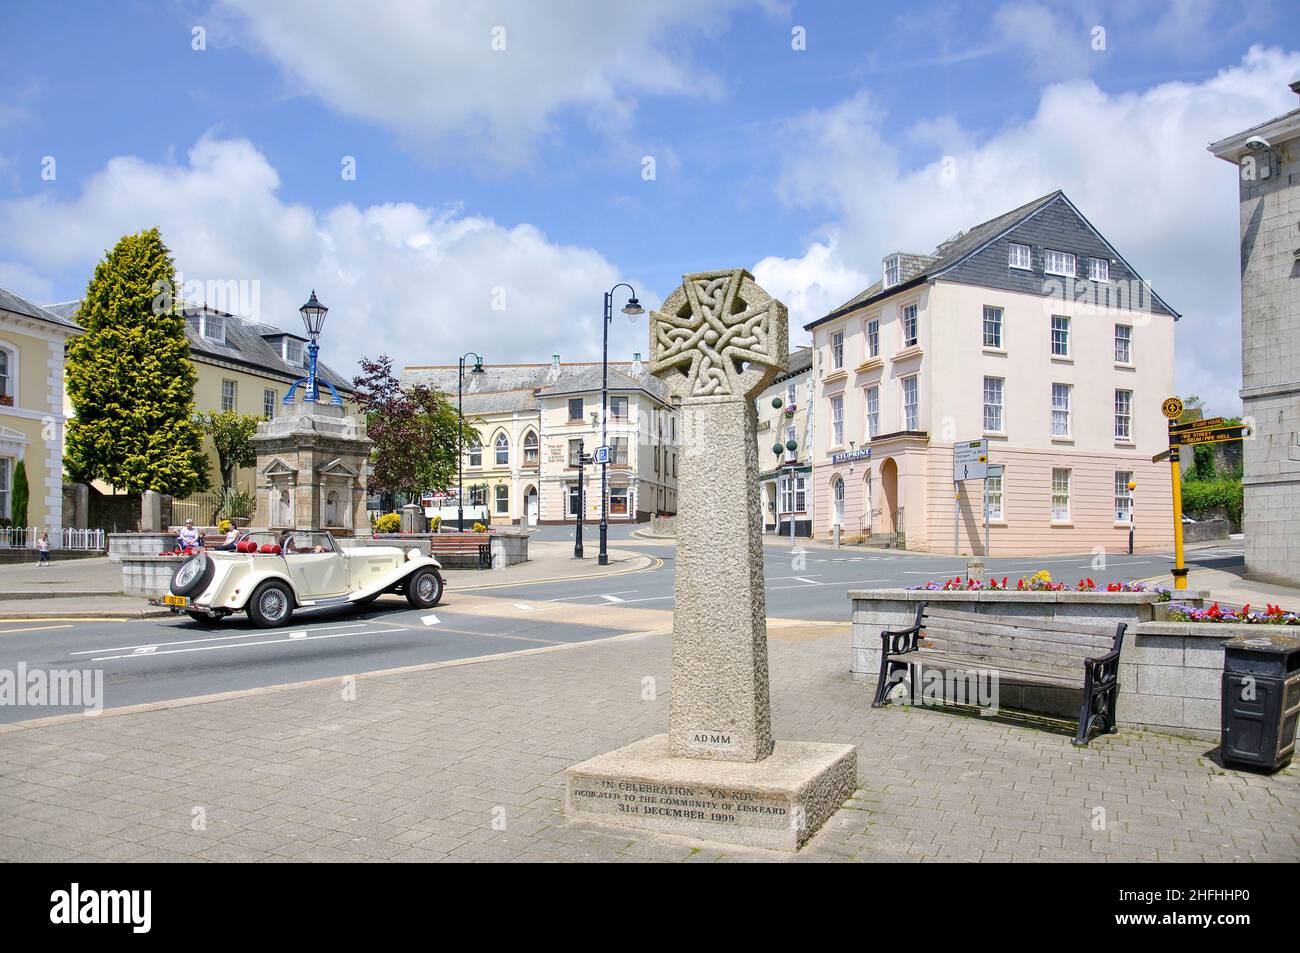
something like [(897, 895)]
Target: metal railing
[(26, 537), (203, 508)]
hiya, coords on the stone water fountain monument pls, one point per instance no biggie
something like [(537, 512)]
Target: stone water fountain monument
[(717, 774)]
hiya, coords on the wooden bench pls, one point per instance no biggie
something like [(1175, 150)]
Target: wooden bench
[(1049, 652), (462, 544)]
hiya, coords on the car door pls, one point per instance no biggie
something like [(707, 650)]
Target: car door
[(316, 575)]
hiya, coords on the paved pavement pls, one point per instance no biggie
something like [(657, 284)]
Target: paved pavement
[(464, 761)]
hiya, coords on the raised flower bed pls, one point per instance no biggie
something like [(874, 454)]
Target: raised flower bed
[(1169, 671)]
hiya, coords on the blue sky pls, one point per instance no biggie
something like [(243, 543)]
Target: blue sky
[(498, 192)]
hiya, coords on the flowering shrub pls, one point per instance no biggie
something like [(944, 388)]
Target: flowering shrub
[(224, 525), (480, 528), (1040, 581), (1272, 615), (388, 523)]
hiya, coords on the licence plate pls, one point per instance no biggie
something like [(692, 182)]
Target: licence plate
[(181, 601)]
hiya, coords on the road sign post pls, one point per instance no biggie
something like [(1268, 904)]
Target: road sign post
[(970, 461), (1172, 408), (1194, 433)]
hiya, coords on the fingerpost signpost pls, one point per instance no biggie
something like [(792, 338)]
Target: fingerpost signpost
[(1191, 434)]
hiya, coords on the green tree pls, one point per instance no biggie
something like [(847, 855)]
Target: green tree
[(1203, 466), (130, 379), (414, 430), (21, 493), (232, 434)]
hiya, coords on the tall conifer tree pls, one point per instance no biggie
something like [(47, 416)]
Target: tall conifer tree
[(130, 378)]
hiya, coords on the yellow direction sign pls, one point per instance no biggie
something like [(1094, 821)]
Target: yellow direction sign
[(1213, 435), (1172, 408), (1198, 425)]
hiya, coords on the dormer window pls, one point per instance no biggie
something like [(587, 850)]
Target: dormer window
[(293, 352), (1099, 269), (1019, 256), (892, 269), (213, 327)]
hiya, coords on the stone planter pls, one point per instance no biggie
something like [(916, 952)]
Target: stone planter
[(1168, 670), (148, 576), (138, 544)]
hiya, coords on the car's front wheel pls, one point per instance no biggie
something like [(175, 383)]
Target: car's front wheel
[(271, 605), (424, 588)]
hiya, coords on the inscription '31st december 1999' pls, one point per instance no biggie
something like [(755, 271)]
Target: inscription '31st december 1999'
[(716, 805)]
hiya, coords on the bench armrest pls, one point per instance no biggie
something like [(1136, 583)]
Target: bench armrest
[(900, 641), (1105, 668)]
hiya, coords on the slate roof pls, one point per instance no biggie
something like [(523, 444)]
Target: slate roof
[(19, 305), (527, 381), (246, 345), (946, 254), (500, 402)]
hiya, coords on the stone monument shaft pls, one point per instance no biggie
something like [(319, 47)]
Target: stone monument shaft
[(718, 340)]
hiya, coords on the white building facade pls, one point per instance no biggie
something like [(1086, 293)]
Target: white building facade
[(1029, 331)]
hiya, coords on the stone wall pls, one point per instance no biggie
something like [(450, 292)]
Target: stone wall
[(1270, 351), (148, 576), (121, 545), (1168, 670)]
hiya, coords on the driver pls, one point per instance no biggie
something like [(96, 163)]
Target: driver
[(287, 545)]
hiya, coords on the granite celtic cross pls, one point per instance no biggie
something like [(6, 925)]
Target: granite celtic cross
[(717, 341)]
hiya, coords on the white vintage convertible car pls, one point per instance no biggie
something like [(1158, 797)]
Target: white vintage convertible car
[(270, 575)]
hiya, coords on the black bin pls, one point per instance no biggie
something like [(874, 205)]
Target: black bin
[(1261, 700)]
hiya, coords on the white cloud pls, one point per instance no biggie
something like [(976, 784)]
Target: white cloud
[(1135, 164), (429, 70), (419, 283), (809, 286)]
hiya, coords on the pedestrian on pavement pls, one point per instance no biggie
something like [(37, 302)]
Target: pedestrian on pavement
[(43, 548)]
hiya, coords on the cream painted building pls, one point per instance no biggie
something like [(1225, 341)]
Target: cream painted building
[(1030, 331), (242, 365), (785, 478), (32, 342), (529, 418)]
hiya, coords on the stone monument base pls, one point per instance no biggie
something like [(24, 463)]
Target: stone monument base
[(776, 803)]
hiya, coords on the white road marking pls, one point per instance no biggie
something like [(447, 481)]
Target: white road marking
[(297, 635), (610, 597), (146, 650), (430, 619), (214, 638), (215, 648)]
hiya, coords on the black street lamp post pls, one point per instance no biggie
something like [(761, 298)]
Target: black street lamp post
[(631, 309), (460, 434)]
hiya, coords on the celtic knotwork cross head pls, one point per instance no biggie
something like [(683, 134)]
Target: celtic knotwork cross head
[(717, 335)]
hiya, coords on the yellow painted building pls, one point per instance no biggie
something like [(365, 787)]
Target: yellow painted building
[(32, 342), (242, 365)]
